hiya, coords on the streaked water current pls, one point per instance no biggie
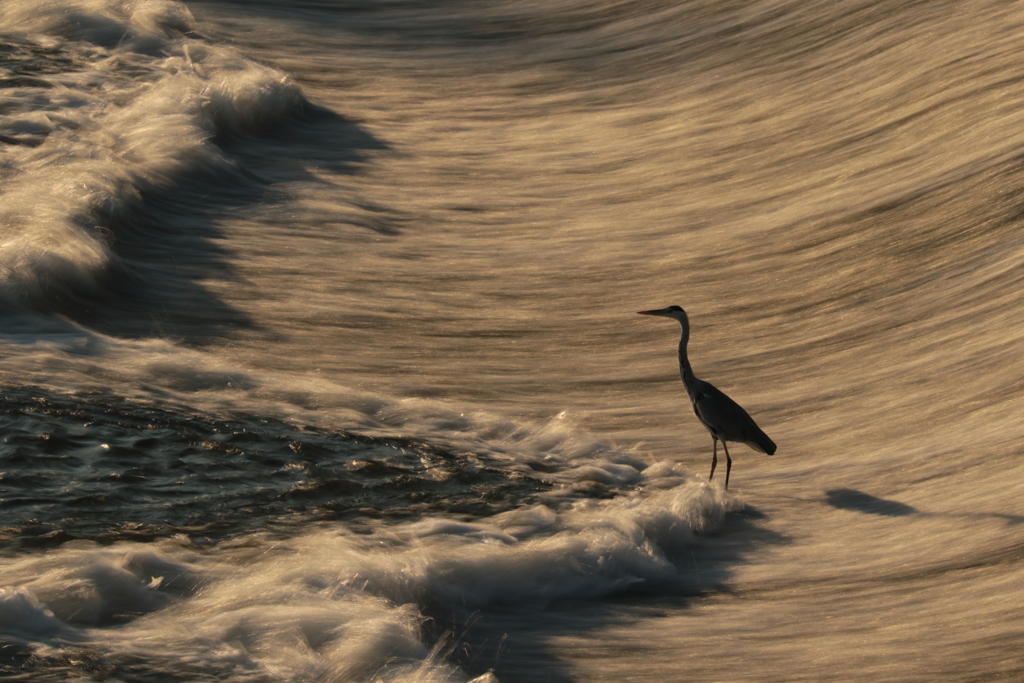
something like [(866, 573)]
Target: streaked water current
[(320, 362)]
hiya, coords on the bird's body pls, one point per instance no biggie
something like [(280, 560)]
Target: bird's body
[(719, 414)]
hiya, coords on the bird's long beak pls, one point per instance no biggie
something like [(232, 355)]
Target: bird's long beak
[(650, 313)]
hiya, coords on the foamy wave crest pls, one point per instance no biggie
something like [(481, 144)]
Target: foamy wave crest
[(333, 604), (136, 24), (22, 614), (534, 554), (138, 121)]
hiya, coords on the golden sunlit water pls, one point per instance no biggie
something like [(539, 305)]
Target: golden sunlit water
[(321, 357)]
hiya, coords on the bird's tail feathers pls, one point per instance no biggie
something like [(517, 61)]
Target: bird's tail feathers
[(763, 444)]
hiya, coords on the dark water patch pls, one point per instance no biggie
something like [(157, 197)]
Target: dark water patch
[(15, 659), (22, 67), (23, 58), (24, 82), (103, 468), (81, 662)]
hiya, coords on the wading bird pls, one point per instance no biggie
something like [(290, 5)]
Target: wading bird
[(722, 416)]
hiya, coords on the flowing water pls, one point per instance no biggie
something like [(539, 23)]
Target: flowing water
[(320, 359)]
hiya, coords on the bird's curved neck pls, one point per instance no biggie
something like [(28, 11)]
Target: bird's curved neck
[(685, 371)]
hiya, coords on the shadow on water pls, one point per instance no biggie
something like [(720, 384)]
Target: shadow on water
[(515, 642), (852, 499), (319, 137), (169, 243)]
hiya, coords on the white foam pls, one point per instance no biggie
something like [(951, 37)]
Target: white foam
[(535, 554), (332, 604), (135, 24), (84, 584)]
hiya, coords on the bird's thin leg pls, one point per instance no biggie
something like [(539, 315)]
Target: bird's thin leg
[(714, 456), (728, 464)]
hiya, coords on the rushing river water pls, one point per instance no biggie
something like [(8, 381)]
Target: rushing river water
[(320, 359)]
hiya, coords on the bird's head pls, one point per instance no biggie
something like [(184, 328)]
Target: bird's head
[(671, 312)]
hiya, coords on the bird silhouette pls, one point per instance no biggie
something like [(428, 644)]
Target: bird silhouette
[(721, 415)]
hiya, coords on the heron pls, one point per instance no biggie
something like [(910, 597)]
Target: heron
[(719, 414)]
